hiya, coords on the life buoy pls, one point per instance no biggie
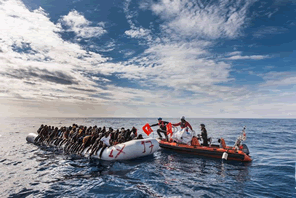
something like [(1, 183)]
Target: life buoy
[(147, 129)]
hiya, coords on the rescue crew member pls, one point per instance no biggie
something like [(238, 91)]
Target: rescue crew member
[(162, 128), (183, 124), (204, 135)]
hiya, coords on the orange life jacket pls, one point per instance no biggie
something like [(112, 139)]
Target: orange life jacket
[(195, 142), (223, 143)]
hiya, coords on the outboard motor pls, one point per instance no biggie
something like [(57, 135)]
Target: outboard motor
[(245, 149)]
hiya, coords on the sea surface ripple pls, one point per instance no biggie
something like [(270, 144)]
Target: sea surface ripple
[(27, 170)]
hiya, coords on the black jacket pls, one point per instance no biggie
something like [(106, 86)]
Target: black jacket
[(162, 125)]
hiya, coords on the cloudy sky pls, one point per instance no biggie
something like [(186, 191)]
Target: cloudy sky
[(148, 58)]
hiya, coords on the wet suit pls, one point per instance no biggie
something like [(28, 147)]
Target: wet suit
[(162, 128), (204, 136)]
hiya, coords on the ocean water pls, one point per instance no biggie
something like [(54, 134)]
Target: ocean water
[(27, 170)]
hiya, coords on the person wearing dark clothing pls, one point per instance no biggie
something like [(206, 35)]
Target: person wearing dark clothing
[(204, 135), (162, 128)]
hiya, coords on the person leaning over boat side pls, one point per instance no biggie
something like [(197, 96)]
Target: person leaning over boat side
[(183, 124), (162, 128), (106, 142)]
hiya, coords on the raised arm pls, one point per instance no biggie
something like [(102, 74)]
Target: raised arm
[(178, 124), (154, 125), (189, 126)]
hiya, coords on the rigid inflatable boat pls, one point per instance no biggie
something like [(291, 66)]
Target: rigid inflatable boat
[(209, 151), (124, 151), (190, 144)]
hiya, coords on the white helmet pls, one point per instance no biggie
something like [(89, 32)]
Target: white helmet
[(183, 118)]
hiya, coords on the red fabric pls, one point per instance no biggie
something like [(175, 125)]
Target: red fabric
[(169, 128)]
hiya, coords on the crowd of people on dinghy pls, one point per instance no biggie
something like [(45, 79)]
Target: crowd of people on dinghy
[(75, 139)]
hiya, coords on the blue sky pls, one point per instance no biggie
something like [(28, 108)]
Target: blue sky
[(218, 59)]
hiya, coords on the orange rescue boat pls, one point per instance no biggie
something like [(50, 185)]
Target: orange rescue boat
[(228, 153)]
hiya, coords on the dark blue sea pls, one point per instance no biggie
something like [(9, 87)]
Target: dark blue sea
[(27, 170)]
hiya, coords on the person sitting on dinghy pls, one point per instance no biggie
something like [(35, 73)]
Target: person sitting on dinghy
[(162, 128), (183, 124)]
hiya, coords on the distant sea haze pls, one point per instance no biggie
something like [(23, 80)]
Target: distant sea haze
[(29, 170)]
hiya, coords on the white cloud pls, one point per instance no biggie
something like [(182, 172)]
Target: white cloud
[(139, 33), (252, 57), (81, 26), (268, 30), (176, 72), (234, 53), (36, 63), (206, 20), (277, 79)]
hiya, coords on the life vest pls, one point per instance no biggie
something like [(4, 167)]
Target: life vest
[(169, 129), (195, 142), (223, 143)]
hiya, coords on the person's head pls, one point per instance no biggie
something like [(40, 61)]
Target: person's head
[(140, 136), (106, 134), (183, 119), (159, 119), (202, 126)]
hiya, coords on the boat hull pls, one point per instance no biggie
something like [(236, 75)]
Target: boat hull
[(205, 151)]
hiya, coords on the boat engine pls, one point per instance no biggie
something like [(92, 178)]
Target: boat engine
[(245, 149)]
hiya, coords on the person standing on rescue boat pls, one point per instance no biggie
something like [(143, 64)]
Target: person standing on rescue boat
[(162, 128), (204, 135), (183, 124)]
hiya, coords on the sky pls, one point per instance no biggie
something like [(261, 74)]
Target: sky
[(148, 58)]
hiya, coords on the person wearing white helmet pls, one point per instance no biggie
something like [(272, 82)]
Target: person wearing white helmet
[(183, 124)]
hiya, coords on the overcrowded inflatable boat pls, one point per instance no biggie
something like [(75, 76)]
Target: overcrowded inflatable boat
[(124, 151)]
